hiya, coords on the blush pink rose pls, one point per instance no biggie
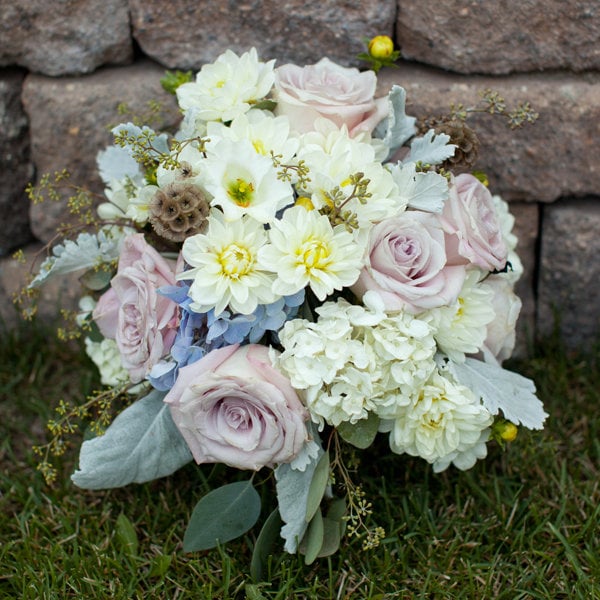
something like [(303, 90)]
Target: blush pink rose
[(406, 264), (342, 95), (234, 407), (133, 313), (470, 219)]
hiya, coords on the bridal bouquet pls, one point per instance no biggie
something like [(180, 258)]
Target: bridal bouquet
[(296, 270)]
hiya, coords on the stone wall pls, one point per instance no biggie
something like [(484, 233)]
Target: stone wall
[(66, 66)]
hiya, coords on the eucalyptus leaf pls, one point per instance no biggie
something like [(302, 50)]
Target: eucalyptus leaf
[(317, 487), (222, 515), (96, 279), (265, 543), (332, 536), (141, 444), (313, 539), (337, 510), (360, 434)]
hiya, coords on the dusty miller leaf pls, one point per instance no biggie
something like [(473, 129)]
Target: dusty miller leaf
[(87, 251), (140, 445), (431, 149), (115, 163), (398, 127), (421, 191), (503, 390), (292, 496)]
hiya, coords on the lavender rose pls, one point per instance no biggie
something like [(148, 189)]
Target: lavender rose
[(342, 95), (406, 264), (141, 321), (234, 407), (470, 219)]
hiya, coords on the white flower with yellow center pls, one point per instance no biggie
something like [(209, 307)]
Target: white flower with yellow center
[(442, 419), (461, 328), (228, 87), (267, 134), (243, 182), (332, 156), (305, 250), (226, 269)]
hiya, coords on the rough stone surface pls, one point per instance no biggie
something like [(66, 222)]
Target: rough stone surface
[(526, 229), (553, 158), (15, 165), (300, 31), (65, 36), (70, 120), (502, 36), (569, 281)]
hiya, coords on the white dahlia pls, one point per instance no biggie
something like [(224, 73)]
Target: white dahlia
[(226, 269), (305, 250)]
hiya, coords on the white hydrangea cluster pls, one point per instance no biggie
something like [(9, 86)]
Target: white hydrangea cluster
[(356, 359), (106, 356)]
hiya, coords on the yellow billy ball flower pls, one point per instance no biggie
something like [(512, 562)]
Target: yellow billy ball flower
[(381, 46), (507, 431)]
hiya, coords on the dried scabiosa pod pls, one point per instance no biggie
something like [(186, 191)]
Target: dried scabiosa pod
[(178, 211)]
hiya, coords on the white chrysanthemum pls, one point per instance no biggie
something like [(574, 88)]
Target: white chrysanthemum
[(332, 156), (305, 250), (243, 182), (226, 268), (466, 457), (228, 87), (442, 419), (349, 365), (267, 134), (106, 356), (461, 328)]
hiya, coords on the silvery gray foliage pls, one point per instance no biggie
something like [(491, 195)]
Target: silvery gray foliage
[(502, 390), (115, 163), (140, 445), (431, 149), (398, 128)]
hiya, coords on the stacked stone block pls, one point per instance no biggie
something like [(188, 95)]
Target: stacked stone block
[(65, 67)]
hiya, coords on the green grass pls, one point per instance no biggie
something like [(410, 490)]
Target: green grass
[(525, 523)]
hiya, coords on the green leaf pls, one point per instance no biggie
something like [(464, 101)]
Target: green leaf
[(360, 434), (253, 592), (173, 79), (126, 535), (265, 542), (312, 542), (331, 538), (337, 510), (317, 487), (160, 565), (222, 515)]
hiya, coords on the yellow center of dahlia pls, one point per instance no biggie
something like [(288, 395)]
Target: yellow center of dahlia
[(236, 261), (314, 254)]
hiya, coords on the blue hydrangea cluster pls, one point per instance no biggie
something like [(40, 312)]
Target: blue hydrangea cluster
[(199, 333)]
